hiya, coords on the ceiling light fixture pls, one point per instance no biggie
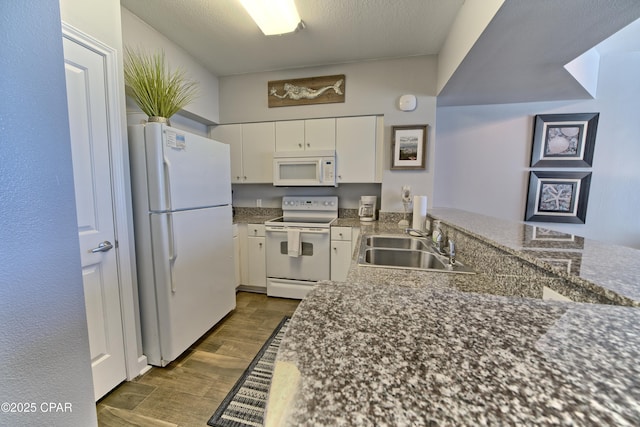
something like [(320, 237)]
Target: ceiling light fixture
[(274, 16)]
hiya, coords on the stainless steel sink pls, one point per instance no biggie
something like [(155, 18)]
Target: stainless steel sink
[(405, 252), (398, 242), (402, 258)]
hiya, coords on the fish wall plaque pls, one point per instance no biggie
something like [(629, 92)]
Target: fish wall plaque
[(310, 90)]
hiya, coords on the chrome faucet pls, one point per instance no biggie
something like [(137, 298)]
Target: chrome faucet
[(437, 243)]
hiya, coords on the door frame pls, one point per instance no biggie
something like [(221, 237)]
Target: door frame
[(135, 360)]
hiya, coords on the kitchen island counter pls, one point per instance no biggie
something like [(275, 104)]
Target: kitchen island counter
[(388, 354), (402, 347)]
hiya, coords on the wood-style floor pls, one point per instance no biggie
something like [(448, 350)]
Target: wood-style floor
[(188, 391)]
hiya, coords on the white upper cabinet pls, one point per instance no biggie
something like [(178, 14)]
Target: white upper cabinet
[(358, 149), (252, 147), (258, 145), (357, 141), (232, 135), (313, 134)]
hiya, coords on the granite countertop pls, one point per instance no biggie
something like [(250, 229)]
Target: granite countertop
[(400, 347)]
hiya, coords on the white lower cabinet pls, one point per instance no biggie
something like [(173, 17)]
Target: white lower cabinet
[(252, 256), (256, 256), (342, 240)]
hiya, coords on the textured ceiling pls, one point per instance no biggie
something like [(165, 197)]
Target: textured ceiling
[(225, 39), (520, 56)]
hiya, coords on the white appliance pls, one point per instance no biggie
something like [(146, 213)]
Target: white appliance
[(183, 233), (298, 245), (367, 208), (304, 168)]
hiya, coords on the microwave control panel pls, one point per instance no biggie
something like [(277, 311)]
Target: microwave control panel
[(329, 170)]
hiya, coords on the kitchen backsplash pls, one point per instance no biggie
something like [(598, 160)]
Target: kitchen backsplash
[(268, 196)]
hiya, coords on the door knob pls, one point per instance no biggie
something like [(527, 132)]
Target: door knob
[(102, 247)]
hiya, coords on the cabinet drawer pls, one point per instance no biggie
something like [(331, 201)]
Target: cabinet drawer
[(341, 233), (255, 230)]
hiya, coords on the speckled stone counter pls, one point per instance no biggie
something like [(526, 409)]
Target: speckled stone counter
[(394, 355), (405, 347), (255, 215), (609, 270)]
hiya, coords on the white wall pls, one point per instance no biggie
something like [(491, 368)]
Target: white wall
[(44, 345), (486, 152), (137, 34), (371, 88), (471, 21), (100, 19)]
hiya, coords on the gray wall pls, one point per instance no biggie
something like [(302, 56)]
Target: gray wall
[(486, 150), (137, 34), (372, 88), (44, 346)]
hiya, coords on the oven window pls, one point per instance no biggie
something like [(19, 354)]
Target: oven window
[(292, 171), (307, 248)]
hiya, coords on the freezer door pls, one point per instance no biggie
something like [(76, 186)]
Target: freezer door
[(185, 171), (194, 277)]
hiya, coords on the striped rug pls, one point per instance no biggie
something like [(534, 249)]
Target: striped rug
[(245, 403)]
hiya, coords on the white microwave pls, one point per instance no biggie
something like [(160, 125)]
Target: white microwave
[(304, 168)]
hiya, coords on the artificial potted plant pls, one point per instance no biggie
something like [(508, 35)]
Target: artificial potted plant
[(158, 92)]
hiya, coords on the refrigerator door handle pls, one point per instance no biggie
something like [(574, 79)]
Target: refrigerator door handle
[(166, 168), (173, 251)]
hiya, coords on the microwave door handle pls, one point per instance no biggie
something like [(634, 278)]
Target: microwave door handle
[(321, 170)]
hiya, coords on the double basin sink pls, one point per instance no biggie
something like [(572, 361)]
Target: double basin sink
[(405, 252)]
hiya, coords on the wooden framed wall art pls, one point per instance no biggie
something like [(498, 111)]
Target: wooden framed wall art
[(408, 147), (307, 91)]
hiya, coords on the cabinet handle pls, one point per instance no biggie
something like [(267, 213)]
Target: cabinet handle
[(260, 244), (245, 178), (340, 234), (308, 145), (300, 145), (237, 178)]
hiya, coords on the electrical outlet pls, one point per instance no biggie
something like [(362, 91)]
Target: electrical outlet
[(259, 203)]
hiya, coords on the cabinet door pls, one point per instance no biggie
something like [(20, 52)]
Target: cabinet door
[(340, 259), (258, 144), (290, 135), (320, 134), (232, 135), (257, 262), (356, 149)]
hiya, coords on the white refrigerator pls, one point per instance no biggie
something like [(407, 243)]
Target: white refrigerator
[(183, 234)]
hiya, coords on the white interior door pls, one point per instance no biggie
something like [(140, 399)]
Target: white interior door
[(88, 122)]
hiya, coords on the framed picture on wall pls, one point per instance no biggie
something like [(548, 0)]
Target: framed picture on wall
[(558, 196), (408, 147), (564, 140)]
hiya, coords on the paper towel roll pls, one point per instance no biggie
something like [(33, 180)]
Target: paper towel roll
[(419, 212)]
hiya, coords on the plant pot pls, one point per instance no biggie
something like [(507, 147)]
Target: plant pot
[(158, 119)]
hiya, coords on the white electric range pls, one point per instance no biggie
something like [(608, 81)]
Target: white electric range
[(298, 245)]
